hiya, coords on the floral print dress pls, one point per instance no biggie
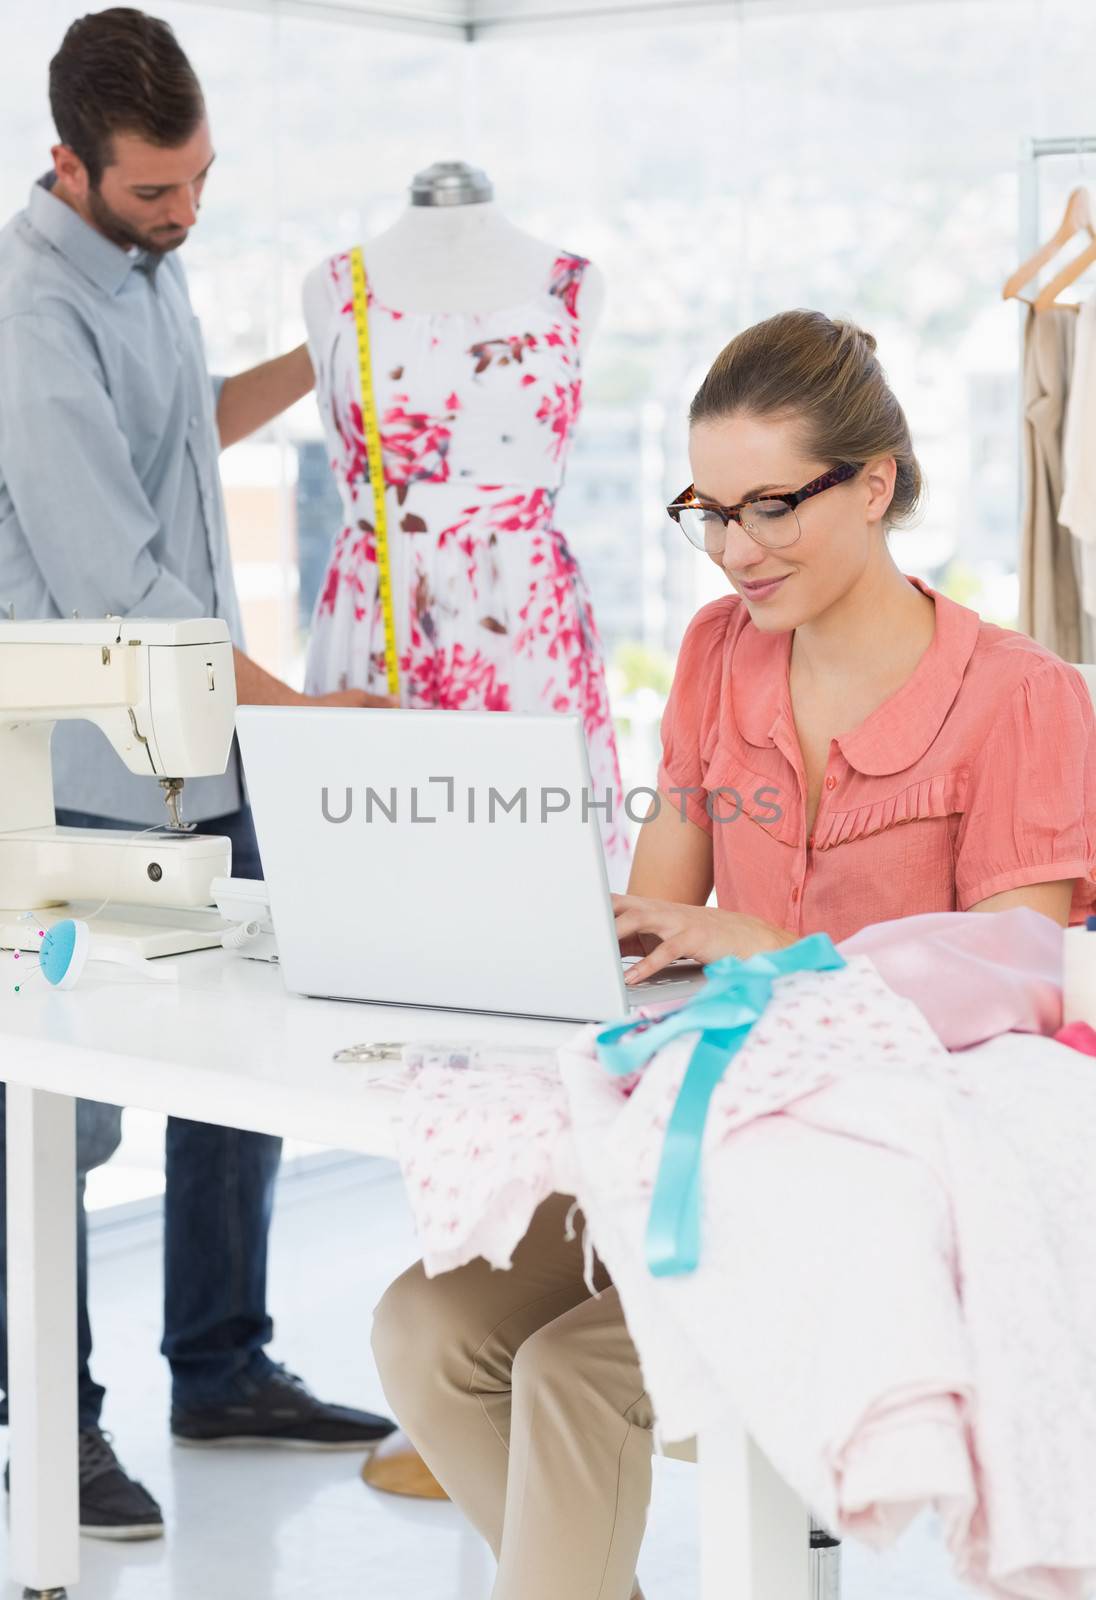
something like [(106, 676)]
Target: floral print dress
[(477, 413)]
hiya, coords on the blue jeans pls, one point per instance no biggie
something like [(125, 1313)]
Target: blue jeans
[(217, 1205)]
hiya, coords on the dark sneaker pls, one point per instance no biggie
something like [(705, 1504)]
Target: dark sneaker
[(281, 1412), (112, 1505)]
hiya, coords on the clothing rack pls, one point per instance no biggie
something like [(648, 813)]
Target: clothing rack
[(1032, 151), (1029, 238), (1028, 233)]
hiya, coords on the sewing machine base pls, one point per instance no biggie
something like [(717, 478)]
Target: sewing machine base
[(42, 866)]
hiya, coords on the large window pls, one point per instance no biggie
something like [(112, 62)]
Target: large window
[(858, 158)]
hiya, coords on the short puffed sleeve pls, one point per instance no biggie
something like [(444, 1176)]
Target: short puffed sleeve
[(1030, 811)]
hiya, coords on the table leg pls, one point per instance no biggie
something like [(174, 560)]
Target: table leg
[(475, 1567), (45, 1514), (825, 1563), (754, 1532)]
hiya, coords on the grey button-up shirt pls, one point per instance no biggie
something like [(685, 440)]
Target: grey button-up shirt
[(110, 499)]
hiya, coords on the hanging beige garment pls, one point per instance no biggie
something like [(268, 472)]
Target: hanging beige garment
[(1078, 509), (1050, 603)]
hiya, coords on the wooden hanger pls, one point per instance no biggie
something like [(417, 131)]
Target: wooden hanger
[(1069, 274), (1077, 219)]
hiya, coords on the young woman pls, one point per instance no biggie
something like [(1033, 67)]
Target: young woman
[(842, 745)]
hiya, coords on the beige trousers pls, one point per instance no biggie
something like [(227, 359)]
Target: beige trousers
[(524, 1396)]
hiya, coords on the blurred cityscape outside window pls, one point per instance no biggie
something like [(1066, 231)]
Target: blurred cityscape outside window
[(860, 159)]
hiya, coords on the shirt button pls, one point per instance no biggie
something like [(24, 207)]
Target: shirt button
[(795, 895), (810, 842), (831, 782), (193, 422)]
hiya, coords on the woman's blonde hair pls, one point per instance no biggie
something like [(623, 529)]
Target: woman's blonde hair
[(825, 375)]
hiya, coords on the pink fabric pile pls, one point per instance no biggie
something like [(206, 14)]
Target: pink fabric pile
[(897, 1287)]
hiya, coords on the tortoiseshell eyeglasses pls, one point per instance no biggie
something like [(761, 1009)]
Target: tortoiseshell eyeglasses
[(772, 521)]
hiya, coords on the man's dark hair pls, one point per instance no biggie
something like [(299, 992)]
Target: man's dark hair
[(120, 71)]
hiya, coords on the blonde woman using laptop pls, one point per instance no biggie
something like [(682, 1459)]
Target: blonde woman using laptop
[(842, 745)]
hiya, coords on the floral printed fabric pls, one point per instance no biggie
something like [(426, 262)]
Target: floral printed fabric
[(477, 414)]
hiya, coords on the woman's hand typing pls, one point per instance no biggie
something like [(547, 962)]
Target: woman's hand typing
[(691, 933)]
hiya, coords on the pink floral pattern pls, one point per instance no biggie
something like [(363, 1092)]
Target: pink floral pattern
[(477, 414)]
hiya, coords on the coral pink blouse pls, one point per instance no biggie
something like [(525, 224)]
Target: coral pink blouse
[(978, 775)]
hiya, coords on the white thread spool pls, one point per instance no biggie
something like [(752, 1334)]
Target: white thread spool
[(1079, 974)]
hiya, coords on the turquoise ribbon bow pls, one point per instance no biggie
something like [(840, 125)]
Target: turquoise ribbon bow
[(722, 1013)]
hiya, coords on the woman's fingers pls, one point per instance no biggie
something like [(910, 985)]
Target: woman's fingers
[(636, 913), (633, 902), (659, 923), (667, 952), (658, 927)]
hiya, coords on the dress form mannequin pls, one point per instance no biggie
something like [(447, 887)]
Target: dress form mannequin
[(452, 249), (477, 334)]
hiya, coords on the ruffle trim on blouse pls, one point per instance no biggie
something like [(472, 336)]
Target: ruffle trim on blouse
[(939, 796)]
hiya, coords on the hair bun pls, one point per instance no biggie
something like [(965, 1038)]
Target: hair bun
[(852, 335)]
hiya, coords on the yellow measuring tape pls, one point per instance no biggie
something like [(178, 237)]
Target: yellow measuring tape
[(371, 429)]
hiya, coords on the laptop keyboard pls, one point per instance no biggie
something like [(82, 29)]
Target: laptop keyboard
[(682, 971)]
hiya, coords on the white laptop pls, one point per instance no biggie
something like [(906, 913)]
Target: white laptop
[(438, 858)]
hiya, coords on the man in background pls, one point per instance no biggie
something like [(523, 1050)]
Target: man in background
[(110, 502)]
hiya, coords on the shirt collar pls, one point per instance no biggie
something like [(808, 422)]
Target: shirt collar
[(900, 731), (104, 263)]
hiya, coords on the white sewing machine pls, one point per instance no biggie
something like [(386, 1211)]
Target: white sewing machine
[(164, 693)]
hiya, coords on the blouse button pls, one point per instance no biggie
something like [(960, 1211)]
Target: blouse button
[(810, 842), (831, 782)]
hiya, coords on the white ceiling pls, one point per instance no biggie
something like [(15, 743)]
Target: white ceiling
[(478, 19)]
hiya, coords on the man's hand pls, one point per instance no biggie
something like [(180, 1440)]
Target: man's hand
[(257, 687), (253, 398), (350, 697), (691, 933)]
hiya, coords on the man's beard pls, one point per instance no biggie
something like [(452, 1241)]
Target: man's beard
[(118, 231)]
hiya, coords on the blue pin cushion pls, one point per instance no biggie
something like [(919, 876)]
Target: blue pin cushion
[(63, 953)]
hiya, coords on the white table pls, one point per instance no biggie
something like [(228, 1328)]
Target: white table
[(227, 1044)]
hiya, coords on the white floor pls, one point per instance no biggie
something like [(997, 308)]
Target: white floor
[(269, 1525)]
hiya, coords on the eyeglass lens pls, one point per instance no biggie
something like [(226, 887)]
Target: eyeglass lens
[(769, 522)]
